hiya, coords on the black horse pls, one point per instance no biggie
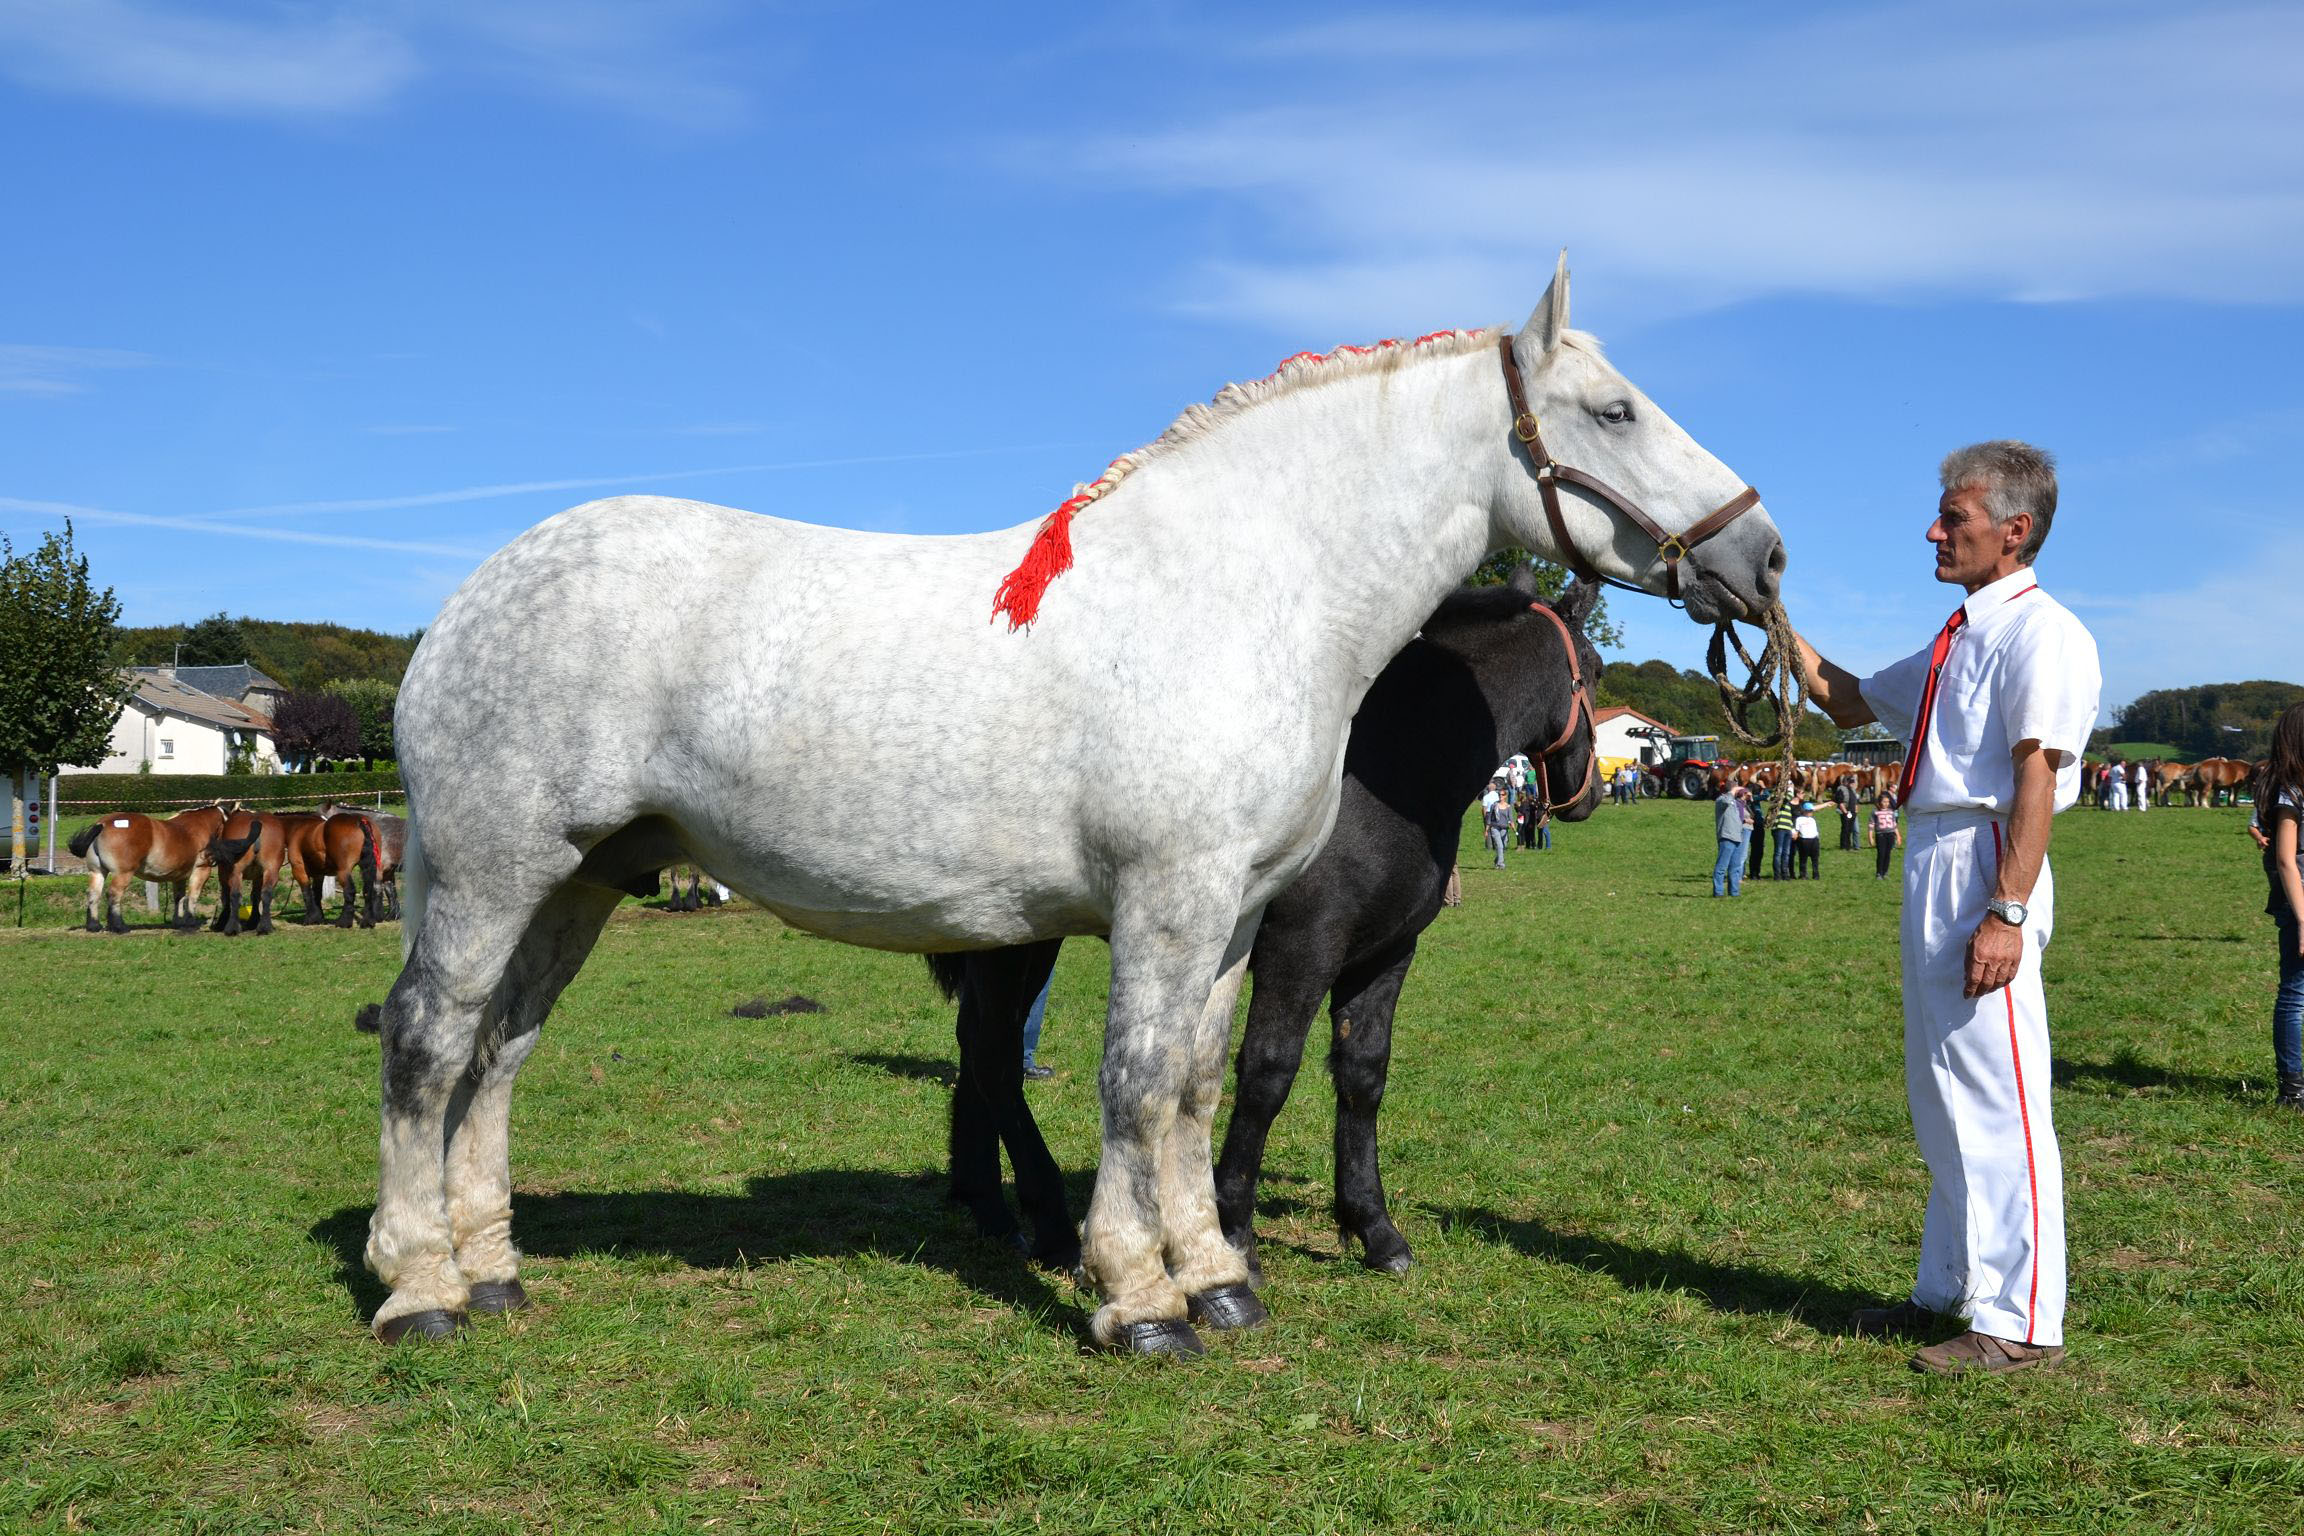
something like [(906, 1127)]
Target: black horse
[(1495, 671)]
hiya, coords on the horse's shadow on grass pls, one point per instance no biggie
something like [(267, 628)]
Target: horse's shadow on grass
[(1740, 1288), (814, 1213), (2130, 1071)]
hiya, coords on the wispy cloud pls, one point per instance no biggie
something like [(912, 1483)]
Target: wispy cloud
[(1403, 164), (61, 509), (496, 491), (27, 370), (667, 61), (276, 60)]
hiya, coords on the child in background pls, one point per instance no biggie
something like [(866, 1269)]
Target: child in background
[(1884, 831), (1807, 843)]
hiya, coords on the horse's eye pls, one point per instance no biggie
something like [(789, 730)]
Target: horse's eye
[(1619, 413)]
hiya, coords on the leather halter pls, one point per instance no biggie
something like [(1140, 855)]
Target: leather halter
[(1579, 713), (1550, 472)]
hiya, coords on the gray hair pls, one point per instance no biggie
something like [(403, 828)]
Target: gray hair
[(2014, 477)]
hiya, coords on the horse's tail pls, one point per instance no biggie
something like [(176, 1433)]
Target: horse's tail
[(370, 859), (85, 839), (950, 971), (228, 852), (413, 880)]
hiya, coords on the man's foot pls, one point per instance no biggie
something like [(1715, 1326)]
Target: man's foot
[(1035, 1072), (1973, 1352), (2291, 1093), (1904, 1320)]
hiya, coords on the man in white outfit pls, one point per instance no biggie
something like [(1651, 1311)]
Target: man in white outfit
[(2140, 783), (1997, 711), (2119, 785)]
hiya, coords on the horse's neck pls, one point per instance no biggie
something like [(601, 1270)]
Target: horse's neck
[(1369, 497), (1433, 730)]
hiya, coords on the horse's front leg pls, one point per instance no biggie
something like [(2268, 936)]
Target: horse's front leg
[(1163, 967), (1212, 1273), (1359, 1061)]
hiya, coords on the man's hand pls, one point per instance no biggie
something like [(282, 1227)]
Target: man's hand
[(1995, 950)]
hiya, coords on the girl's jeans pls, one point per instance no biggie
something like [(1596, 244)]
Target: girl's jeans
[(2288, 1006), (1497, 838)]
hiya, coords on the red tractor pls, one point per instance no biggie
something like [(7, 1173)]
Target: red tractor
[(1684, 767)]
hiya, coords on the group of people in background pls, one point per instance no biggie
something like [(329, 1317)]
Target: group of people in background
[(2121, 786), (1511, 807), (1795, 839)]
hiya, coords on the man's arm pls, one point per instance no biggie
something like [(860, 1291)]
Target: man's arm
[(1997, 948), (1833, 688)]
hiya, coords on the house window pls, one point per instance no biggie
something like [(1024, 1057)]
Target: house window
[(167, 746)]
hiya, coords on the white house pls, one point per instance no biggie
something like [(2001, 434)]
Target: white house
[(178, 728), (1614, 734)]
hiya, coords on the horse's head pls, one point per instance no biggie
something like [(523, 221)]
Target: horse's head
[(1596, 425), (1565, 752)]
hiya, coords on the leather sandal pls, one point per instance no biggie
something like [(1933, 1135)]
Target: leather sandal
[(1983, 1352)]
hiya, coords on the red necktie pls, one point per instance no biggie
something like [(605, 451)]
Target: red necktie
[(1936, 655)]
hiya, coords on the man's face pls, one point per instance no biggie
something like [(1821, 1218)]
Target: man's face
[(1969, 549)]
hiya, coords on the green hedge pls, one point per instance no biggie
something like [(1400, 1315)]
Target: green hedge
[(80, 793)]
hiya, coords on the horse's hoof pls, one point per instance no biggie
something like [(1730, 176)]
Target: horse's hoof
[(1015, 1243), (434, 1324), (1227, 1308), (1391, 1263), (1160, 1336), (1060, 1258), (492, 1296)]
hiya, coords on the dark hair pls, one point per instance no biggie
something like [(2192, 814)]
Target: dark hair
[(2284, 766)]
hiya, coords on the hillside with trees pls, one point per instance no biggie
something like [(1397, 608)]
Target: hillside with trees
[(1689, 701), (305, 656), (2205, 720)]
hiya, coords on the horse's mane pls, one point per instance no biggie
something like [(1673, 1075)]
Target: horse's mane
[(1476, 606), (1051, 552)]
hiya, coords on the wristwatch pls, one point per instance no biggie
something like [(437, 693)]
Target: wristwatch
[(2009, 912)]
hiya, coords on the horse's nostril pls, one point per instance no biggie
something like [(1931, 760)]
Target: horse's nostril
[(1772, 579)]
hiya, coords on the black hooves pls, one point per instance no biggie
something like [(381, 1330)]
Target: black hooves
[(1160, 1336), (433, 1324), (1228, 1308), (1397, 1262), (493, 1296), (1060, 1258)]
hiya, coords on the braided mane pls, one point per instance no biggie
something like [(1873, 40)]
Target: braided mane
[(1051, 553)]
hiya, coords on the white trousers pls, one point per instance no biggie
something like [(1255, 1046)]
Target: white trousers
[(2119, 789), (1977, 1075)]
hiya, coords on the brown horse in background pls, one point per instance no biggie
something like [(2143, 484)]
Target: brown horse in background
[(128, 846), (258, 866), (2212, 775), (391, 847), (316, 847)]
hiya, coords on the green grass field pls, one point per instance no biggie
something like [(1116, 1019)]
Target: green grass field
[(1651, 1149)]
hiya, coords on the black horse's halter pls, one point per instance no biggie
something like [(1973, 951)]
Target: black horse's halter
[(1579, 714), (1550, 472)]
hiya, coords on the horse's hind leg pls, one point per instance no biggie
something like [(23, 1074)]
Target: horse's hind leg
[(1359, 1061), (96, 880), (973, 1151), (431, 1029), (115, 897), (479, 1160), (1003, 985)]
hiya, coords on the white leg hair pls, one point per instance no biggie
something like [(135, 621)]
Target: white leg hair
[(478, 1166), (1198, 1257), (1163, 965)]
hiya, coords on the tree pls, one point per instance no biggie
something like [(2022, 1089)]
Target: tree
[(372, 702), (59, 691), (311, 727), (1551, 580), (216, 641)]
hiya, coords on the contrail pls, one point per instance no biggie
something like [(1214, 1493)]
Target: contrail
[(529, 487), (238, 530)]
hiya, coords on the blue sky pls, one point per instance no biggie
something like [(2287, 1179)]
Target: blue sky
[(308, 307)]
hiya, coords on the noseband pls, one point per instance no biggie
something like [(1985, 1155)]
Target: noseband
[(1550, 472), (1579, 713)]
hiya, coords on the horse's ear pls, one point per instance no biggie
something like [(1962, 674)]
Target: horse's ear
[(1575, 604), (1523, 581), (1550, 321)]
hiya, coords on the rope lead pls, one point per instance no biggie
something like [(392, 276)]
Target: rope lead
[(1776, 676)]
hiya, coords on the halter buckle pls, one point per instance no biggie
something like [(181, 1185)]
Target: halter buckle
[(1671, 548), (1525, 428)]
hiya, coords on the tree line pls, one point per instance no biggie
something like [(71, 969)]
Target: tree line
[(301, 655), (2207, 719)]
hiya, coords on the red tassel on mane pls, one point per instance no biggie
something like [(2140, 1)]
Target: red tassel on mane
[(1049, 557)]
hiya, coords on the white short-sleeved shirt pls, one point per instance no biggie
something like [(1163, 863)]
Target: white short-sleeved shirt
[(2022, 668), (1804, 825)]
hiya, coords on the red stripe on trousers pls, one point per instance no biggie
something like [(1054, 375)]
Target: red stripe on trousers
[(2024, 1112)]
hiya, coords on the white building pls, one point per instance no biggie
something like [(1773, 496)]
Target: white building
[(1614, 734), (177, 728)]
